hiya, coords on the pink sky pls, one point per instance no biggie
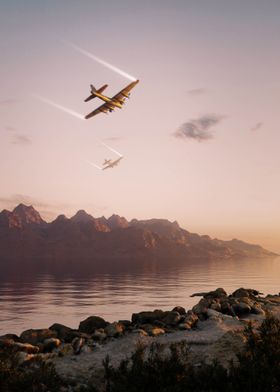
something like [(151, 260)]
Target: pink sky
[(195, 61)]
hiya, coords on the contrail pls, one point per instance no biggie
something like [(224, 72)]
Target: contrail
[(100, 61), (110, 148), (93, 164), (56, 105)]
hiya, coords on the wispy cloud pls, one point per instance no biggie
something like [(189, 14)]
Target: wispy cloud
[(8, 101), (113, 139), (9, 128), (257, 126), (199, 129), (21, 140), (197, 91)]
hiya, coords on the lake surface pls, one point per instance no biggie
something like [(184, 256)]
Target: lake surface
[(37, 300)]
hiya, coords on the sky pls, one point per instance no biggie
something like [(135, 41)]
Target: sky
[(199, 136)]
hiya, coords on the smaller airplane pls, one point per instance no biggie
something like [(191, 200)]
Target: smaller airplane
[(110, 103), (110, 164)]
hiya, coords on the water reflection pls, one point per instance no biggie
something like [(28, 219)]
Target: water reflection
[(36, 299)]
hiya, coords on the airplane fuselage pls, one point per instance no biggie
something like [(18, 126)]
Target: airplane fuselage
[(114, 102)]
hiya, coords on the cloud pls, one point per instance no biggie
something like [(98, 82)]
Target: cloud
[(197, 91), (9, 128), (199, 129), (257, 126), (21, 140), (113, 139), (8, 101)]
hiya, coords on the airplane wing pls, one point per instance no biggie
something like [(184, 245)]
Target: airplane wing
[(124, 93), (89, 98), (101, 109)]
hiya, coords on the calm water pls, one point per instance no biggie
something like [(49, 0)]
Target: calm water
[(38, 300)]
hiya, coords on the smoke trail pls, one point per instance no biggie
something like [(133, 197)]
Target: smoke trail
[(56, 105), (100, 61), (93, 164), (110, 148)]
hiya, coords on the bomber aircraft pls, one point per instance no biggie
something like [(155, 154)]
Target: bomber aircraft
[(110, 103), (108, 164)]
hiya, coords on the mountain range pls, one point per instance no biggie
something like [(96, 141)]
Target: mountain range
[(24, 235)]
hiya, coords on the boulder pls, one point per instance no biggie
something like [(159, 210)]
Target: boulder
[(155, 331), (92, 323), (99, 334), (245, 293), (114, 330), (241, 309), (216, 306), (218, 293), (125, 323), (201, 308), (171, 318), (64, 333), (77, 345), (21, 357), (10, 336), (147, 317), (25, 347), (257, 309), (191, 318), (50, 344), (35, 336), (140, 332), (179, 309)]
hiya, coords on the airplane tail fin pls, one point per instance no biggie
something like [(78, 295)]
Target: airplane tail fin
[(93, 89)]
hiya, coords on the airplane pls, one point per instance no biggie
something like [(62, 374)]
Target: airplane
[(112, 164), (106, 161), (110, 103)]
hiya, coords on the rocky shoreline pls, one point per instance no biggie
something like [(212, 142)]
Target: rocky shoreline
[(213, 330)]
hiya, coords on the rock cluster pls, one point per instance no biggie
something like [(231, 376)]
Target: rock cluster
[(59, 340), (240, 303)]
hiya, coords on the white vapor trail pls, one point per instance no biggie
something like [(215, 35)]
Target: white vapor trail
[(93, 164), (56, 105), (110, 148), (100, 61)]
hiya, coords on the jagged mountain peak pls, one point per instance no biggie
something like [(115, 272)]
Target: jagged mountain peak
[(82, 217), (27, 214), (117, 222)]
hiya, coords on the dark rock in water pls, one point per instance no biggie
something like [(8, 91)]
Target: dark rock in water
[(35, 336), (241, 309), (218, 293), (11, 336), (64, 333), (114, 330), (171, 318), (77, 345), (147, 317), (239, 293), (92, 323), (179, 309), (200, 294)]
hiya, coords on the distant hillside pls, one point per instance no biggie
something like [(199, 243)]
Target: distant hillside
[(24, 235)]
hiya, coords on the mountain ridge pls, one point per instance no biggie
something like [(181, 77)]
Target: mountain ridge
[(25, 235)]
